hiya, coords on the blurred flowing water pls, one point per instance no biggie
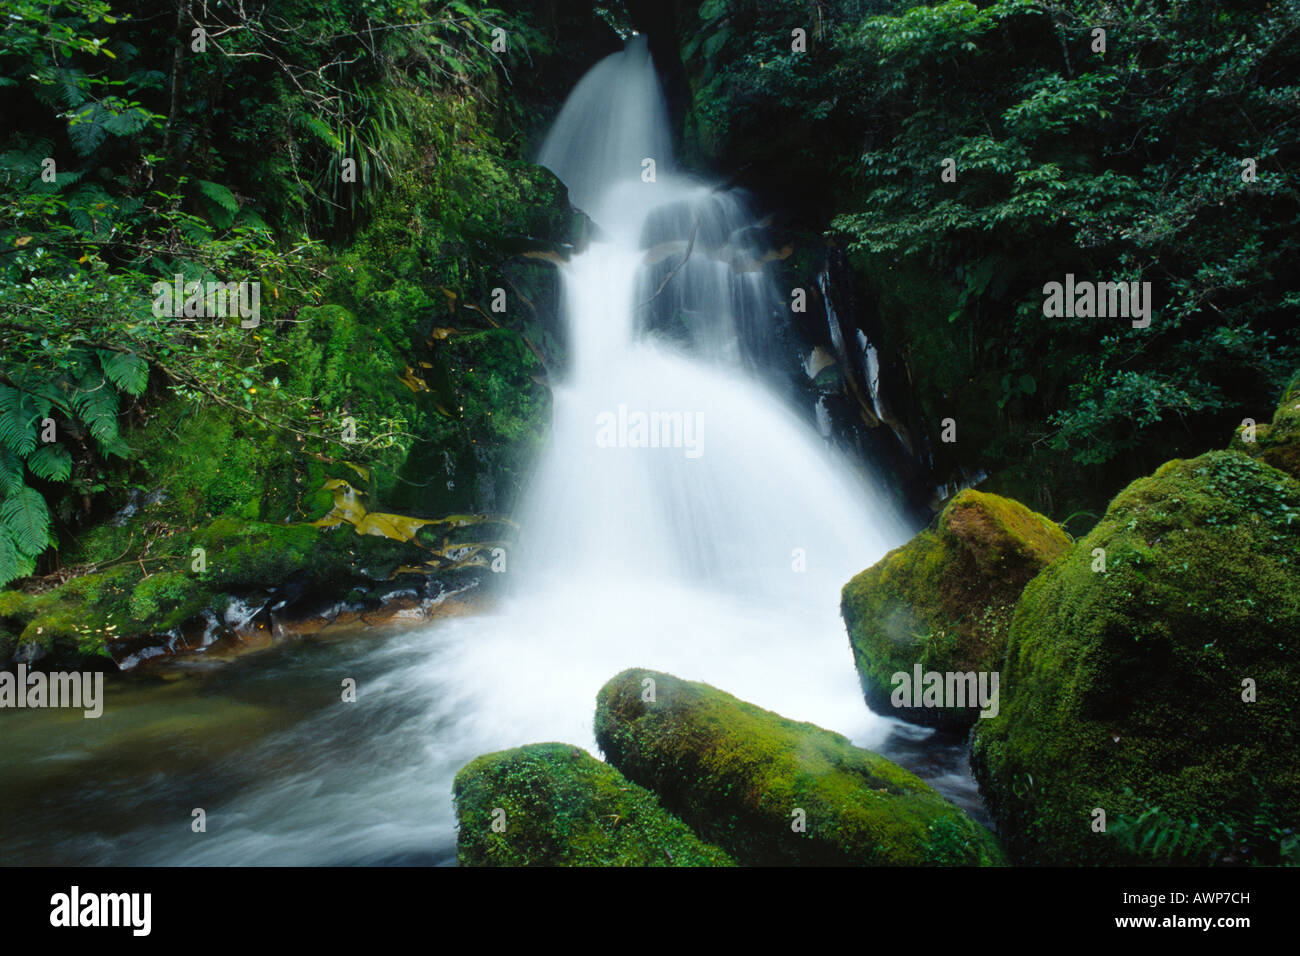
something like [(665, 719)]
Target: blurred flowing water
[(718, 558)]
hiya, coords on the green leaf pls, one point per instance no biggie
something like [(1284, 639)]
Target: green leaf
[(220, 195), (87, 127), (127, 123), (126, 370), (11, 472), (51, 462), (91, 210), (96, 405), (28, 520), (17, 421), (321, 130), (14, 563)]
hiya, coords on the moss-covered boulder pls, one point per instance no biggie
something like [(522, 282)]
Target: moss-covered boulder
[(944, 601), (773, 791), (1278, 443), (1151, 674), (555, 805)]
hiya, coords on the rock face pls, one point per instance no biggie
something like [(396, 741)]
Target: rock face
[(1151, 674), (944, 601), (771, 791), (556, 805), (1277, 444)]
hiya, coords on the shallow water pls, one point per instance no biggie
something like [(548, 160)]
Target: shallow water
[(289, 774)]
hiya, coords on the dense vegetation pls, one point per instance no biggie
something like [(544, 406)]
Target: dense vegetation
[(1114, 161), (349, 158)]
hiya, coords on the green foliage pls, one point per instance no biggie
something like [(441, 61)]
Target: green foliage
[(1123, 165), (1158, 838), (115, 178)]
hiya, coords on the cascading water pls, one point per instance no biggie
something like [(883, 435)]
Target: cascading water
[(718, 558)]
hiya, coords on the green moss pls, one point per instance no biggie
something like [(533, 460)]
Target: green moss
[(14, 605), (251, 554), (737, 774), (563, 807), (1278, 443), (945, 599), (168, 599), (1122, 689), (71, 622)]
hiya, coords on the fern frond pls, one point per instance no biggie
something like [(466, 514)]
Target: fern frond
[(127, 370), (219, 195), (11, 472), (51, 462), (28, 520), (96, 405), (14, 563), (17, 421), (87, 127)]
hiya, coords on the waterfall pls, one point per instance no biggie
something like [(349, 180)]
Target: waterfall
[(717, 556), (682, 517)]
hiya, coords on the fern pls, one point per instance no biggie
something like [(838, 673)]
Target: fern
[(9, 556), (88, 127), (1161, 838), (17, 421), (129, 122), (219, 195), (321, 130), (14, 562), (96, 406), (11, 472), (126, 370), (28, 520), (51, 462), (91, 210)]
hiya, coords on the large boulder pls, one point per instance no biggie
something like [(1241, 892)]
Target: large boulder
[(556, 805), (944, 601), (772, 791), (1278, 443), (1150, 678)]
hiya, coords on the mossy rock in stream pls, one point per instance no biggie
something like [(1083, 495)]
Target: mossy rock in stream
[(944, 601), (745, 778), (556, 805), (1126, 675), (1278, 443)]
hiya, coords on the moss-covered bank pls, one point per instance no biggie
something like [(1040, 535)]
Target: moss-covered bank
[(945, 600), (555, 805), (773, 791)]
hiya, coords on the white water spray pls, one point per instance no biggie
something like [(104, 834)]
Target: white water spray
[(720, 558)]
